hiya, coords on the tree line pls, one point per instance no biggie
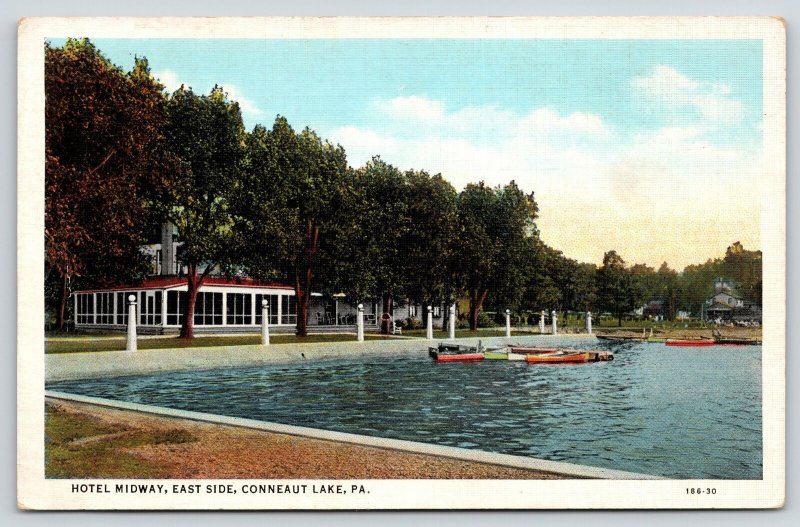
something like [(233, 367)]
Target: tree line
[(280, 204)]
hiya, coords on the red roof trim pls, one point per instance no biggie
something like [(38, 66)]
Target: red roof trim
[(175, 281)]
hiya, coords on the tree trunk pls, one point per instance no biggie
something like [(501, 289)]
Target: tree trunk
[(62, 304), (302, 312), (476, 301), (388, 308), (619, 318), (446, 314), (303, 276), (193, 284)]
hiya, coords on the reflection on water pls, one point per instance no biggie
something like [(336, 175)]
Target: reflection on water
[(677, 412)]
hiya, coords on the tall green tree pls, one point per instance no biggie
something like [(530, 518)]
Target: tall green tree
[(745, 268), (296, 186), (616, 288), (669, 290), (495, 228), (205, 137), (103, 135), (386, 226), (429, 246)]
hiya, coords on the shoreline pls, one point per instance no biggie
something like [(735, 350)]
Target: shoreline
[(99, 364)]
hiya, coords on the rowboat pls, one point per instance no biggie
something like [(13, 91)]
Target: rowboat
[(569, 356), (513, 354), (459, 357), (558, 358), (533, 349), (459, 353), (621, 338), (690, 342)]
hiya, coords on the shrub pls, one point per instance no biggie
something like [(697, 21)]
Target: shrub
[(411, 323), (485, 320)]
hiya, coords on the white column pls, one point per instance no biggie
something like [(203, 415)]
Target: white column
[(265, 322), (452, 326), (508, 323), (555, 322), (430, 323), (589, 322), (225, 308), (131, 346), (360, 323), (163, 308), (541, 321)]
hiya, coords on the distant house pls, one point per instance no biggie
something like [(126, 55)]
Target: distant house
[(727, 304), (655, 310)]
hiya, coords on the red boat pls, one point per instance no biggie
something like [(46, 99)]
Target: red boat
[(534, 350), (459, 357), (558, 358), (690, 342)]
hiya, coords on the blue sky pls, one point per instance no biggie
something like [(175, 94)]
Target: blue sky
[(650, 145)]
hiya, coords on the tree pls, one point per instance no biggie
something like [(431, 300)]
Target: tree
[(616, 288), (388, 221), (745, 268), (103, 132), (205, 136), (402, 232), (293, 195), (494, 238), (429, 246), (669, 289)]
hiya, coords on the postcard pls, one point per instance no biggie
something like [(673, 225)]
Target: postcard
[(401, 263)]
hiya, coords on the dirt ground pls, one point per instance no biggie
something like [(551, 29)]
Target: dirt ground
[(227, 452)]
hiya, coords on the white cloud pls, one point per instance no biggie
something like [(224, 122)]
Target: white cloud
[(169, 79), (597, 190), (538, 149), (413, 107), (246, 105), (674, 91)]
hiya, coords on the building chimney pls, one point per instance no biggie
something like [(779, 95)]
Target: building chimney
[(168, 261)]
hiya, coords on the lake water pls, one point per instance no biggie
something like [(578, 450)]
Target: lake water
[(676, 412)]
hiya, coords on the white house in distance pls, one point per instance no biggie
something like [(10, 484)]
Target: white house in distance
[(727, 304), (224, 305)]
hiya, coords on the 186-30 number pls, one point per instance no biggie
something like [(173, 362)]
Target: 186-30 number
[(698, 490)]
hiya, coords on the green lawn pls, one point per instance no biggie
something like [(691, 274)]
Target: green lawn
[(82, 343), (464, 333), (77, 446)]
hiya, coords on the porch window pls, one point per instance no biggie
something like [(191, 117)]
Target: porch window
[(289, 310), (176, 300), (239, 309), (208, 309), (273, 308)]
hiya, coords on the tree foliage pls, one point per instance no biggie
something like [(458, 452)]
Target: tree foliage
[(205, 137), (496, 227), (103, 165), (617, 289), (293, 193)]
